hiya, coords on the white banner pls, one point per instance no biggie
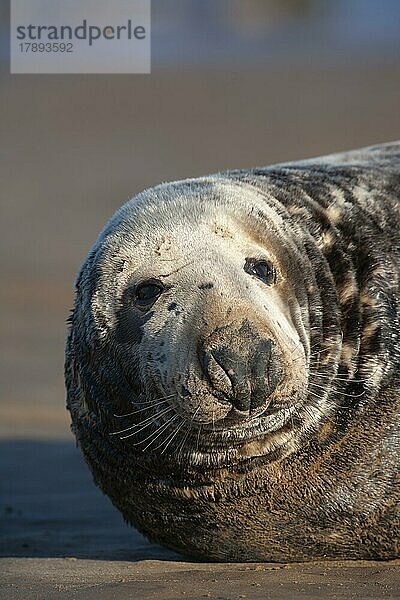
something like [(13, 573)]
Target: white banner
[(80, 36)]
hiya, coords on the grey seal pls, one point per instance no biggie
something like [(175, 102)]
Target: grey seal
[(232, 364)]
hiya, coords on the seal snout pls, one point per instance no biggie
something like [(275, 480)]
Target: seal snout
[(243, 374)]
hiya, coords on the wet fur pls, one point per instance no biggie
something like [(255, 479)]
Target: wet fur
[(325, 482)]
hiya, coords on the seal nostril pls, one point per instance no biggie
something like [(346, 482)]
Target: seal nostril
[(236, 369), (266, 372), (245, 380), (227, 373), (216, 374)]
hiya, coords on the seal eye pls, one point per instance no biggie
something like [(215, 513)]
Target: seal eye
[(262, 269), (147, 292)]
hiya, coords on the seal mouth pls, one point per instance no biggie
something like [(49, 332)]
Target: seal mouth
[(170, 434), (221, 448), (242, 424), (236, 419)]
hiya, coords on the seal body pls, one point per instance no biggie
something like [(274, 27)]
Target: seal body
[(232, 364)]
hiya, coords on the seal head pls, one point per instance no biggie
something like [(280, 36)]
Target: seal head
[(232, 336)]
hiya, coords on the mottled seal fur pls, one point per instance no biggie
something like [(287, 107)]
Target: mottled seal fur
[(233, 358)]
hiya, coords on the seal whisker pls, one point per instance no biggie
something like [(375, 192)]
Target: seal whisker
[(160, 431), (308, 411), (320, 350), (316, 395), (336, 377), (297, 350), (139, 410), (163, 426), (146, 406), (169, 438), (198, 437), (164, 397), (190, 427), (143, 424), (156, 434), (286, 411), (339, 392), (172, 436)]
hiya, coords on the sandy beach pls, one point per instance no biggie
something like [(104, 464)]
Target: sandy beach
[(61, 538), (74, 149)]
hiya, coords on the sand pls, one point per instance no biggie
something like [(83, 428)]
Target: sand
[(67, 578)]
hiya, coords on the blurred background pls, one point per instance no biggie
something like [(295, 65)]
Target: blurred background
[(234, 84)]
